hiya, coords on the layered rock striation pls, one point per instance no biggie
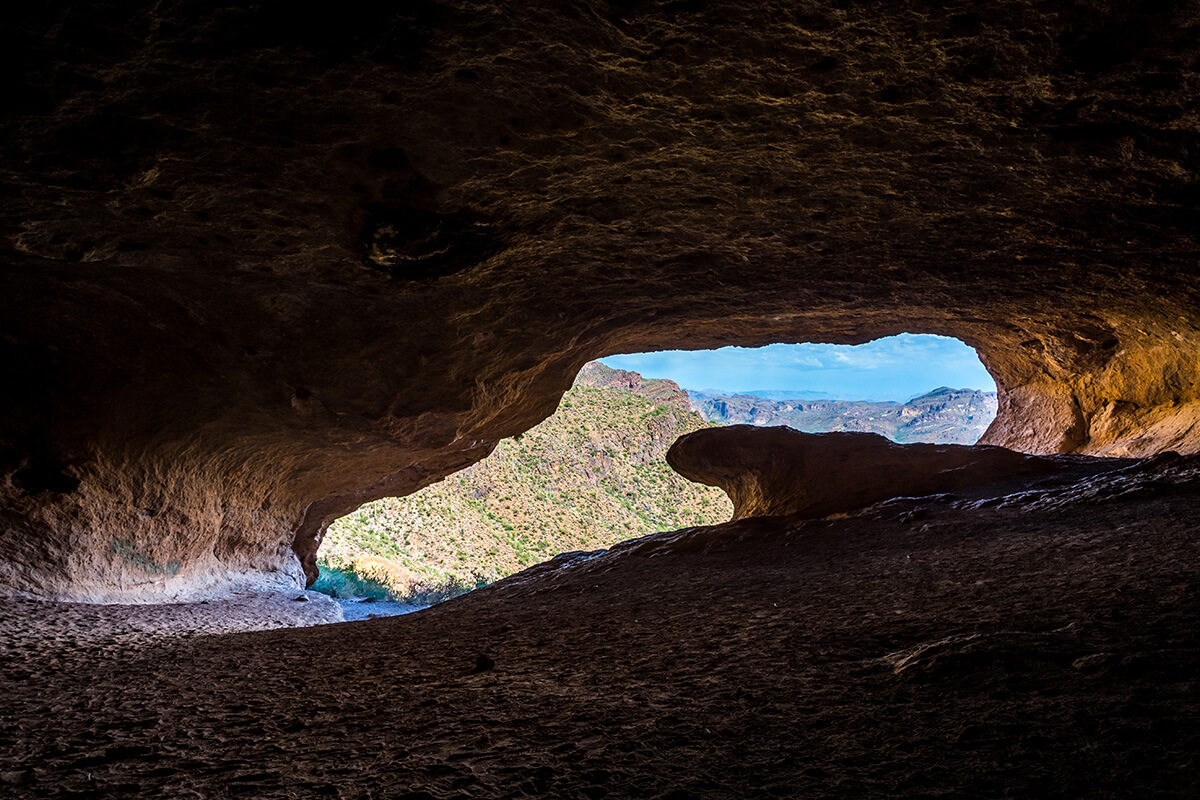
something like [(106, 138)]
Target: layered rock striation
[(263, 265)]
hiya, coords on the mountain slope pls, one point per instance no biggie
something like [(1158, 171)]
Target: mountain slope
[(943, 416), (591, 475)]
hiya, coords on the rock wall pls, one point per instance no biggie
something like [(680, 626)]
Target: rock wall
[(779, 471), (262, 265)]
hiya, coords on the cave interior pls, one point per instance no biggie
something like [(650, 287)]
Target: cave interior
[(265, 264)]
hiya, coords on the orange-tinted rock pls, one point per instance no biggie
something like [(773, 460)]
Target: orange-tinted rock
[(780, 471), (263, 265)]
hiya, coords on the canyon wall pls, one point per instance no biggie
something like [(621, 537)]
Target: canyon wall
[(263, 265)]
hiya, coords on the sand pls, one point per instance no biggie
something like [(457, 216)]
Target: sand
[(1044, 644), (34, 626)]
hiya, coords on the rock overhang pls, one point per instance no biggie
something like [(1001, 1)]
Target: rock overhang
[(781, 472), (262, 266)]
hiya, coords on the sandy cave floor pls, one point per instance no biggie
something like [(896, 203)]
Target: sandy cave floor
[(1038, 647), (35, 626)]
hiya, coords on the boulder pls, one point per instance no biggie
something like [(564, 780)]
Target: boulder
[(780, 471)]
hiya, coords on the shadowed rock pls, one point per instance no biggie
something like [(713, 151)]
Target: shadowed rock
[(261, 266), (780, 471)]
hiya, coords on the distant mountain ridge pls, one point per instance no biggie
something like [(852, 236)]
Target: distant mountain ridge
[(943, 416)]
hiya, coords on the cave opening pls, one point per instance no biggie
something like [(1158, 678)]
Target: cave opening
[(908, 387), (594, 473)]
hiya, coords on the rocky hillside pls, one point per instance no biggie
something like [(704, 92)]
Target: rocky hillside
[(595, 375), (943, 416), (589, 476)]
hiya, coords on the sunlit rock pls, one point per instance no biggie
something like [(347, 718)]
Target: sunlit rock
[(779, 471)]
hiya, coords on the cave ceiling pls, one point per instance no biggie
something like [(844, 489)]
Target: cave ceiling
[(264, 264)]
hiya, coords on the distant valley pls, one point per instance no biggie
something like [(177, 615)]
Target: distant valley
[(943, 416)]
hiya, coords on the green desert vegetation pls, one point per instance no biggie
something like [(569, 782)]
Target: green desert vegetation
[(588, 477)]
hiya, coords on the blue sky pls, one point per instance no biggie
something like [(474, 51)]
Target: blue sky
[(895, 368)]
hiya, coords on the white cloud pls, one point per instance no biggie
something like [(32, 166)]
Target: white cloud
[(894, 368)]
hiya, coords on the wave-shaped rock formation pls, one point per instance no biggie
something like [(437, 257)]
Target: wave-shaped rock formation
[(264, 264), (1037, 641), (779, 471)]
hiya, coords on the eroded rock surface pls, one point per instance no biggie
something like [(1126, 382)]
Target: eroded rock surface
[(982, 652), (262, 265), (778, 471)]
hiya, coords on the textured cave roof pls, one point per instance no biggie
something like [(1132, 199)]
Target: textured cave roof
[(264, 264)]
